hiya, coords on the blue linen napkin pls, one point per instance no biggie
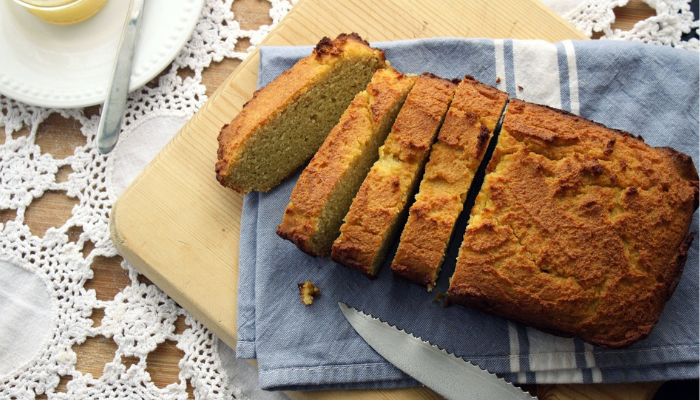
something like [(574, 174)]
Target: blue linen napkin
[(646, 90)]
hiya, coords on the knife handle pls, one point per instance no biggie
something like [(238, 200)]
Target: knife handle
[(118, 89)]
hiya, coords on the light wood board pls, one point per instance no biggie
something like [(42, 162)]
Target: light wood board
[(180, 228)]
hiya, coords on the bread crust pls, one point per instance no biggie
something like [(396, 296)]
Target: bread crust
[(579, 230), (333, 48), (319, 179), (348, 152), (267, 104), (454, 160), (378, 208)]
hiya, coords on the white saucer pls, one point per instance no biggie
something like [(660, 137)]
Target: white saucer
[(66, 66)]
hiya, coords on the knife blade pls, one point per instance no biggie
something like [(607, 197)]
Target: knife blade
[(118, 89), (448, 375)]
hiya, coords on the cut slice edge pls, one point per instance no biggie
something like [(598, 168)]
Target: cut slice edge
[(454, 160), (326, 187), (285, 122), (378, 209)]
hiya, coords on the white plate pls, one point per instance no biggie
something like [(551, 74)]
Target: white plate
[(67, 66)]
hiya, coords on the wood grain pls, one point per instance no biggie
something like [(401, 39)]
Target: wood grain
[(58, 136)]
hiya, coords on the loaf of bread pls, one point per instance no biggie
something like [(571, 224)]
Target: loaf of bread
[(326, 187), (285, 123), (578, 230), (378, 209), (454, 160)]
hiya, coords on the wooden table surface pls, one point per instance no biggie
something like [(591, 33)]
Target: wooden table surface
[(59, 136)]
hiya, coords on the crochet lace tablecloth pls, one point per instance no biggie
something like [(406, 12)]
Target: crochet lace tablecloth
[(45, 308)]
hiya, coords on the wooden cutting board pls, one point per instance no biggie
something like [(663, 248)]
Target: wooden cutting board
[(180, 228)]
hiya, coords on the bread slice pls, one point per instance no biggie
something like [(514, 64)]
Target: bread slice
[(326, 187), (578, 230), (454, 160), (285, 123), (378, 208)]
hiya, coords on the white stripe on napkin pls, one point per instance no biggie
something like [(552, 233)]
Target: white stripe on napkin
[(573, 77), (500, 65), (548, 352), (596, 373), (590, 358), (559, 376), (536, 71), (514, 347)]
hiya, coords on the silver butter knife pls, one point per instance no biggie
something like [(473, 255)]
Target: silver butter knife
[(118, 89), (448, 375)]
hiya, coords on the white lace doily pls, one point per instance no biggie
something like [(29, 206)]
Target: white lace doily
[(673, 18), (45, 309)]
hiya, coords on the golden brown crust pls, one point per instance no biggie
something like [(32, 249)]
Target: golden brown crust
[(371, 223), (268, 103), (371, 215), (454, 160), (578, 229), (330, 47), (307, 219), (678, 263), (320, 177)]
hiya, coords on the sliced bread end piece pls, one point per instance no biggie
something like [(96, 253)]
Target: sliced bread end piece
[(285, 122)]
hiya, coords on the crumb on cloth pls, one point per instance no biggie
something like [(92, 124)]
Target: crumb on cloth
[(308, 290)]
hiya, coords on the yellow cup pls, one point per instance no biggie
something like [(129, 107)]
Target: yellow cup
[(63, 11)]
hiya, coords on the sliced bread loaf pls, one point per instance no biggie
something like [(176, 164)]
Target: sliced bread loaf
[(454, 160), (285, 123), (373, 220), (326, 187), (578, 229)]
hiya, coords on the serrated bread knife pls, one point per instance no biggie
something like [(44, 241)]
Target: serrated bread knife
[(448, 375)]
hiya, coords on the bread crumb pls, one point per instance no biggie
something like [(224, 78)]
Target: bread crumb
[(442, 297), (308, 290), (498, 79), (447, 302), (520, 88)]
